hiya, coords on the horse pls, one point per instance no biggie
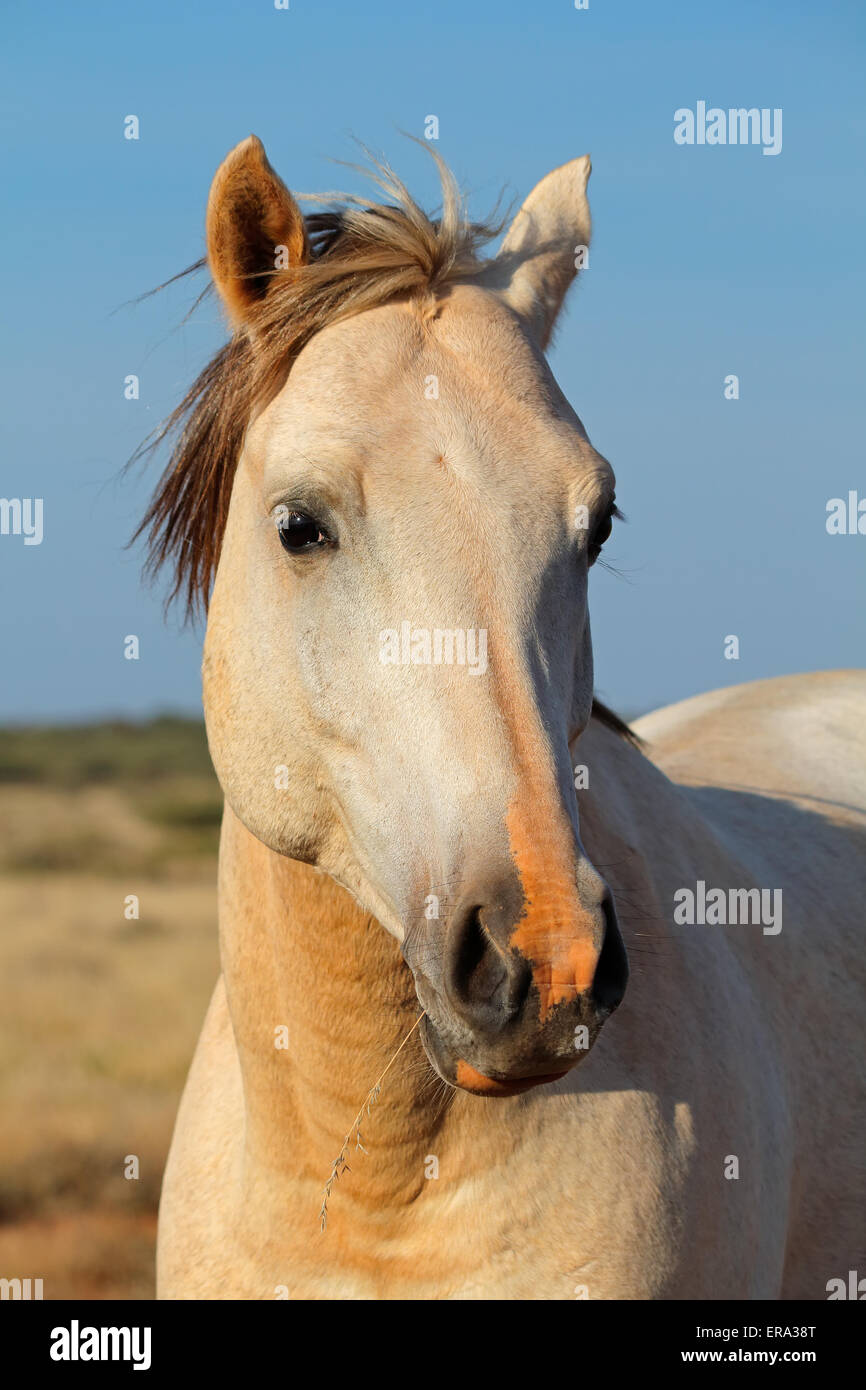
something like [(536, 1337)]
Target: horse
[(593, 994)]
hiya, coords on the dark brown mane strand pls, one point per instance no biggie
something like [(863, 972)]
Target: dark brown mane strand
[(613, 722), (186, 518)]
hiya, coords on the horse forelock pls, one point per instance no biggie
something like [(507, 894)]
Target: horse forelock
[(362, 255)]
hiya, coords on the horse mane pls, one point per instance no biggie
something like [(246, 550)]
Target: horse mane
[(362, 255), (612, 721)]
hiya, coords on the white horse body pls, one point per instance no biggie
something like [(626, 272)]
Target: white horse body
[(414, 886), (617, 1182)]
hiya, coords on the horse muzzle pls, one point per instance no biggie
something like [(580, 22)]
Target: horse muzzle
[(499, 1021)]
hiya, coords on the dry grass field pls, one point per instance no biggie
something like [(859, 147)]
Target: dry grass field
[(99, 1011)]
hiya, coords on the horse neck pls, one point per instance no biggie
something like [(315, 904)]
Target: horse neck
[(299, 955), (304, 966)]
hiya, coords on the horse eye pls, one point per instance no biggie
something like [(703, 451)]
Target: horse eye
[(602, 532), (299, 531)]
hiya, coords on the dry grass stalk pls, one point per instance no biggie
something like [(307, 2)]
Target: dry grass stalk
[(340, 1164)]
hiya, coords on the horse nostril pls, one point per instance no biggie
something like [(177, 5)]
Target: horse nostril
[(611, 971), (481, 978)]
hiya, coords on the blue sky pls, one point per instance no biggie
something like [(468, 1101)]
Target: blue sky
[(706, 261)]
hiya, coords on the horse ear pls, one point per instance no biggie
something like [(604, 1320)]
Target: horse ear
[(545, 246), (254, 227)]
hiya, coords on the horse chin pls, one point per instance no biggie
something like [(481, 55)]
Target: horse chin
[(462, 1075)]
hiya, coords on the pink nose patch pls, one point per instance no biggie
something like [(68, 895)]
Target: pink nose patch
[(555, 931)]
